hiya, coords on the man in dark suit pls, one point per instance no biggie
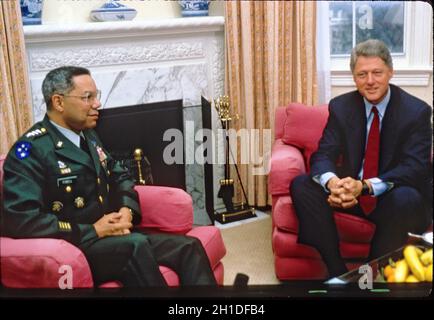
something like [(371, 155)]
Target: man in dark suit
[(59, 182), (381, 136)]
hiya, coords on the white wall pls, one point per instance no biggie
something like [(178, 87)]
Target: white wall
[(424, 93), (77, 11)]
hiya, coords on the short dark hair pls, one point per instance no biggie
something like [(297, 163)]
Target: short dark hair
[(59, 80), (371, 48)]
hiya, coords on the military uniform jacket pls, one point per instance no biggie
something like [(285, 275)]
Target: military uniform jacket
[(54, 189)]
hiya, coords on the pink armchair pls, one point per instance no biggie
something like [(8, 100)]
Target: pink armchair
[(36, 263), (298, 129)]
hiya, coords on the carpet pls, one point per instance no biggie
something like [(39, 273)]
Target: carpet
[(249, 251)]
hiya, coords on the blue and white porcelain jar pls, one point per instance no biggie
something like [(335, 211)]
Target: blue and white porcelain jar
[(113, 11), (194, 8), (31, 11)]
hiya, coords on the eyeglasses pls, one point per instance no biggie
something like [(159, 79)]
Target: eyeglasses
[(88, 97)]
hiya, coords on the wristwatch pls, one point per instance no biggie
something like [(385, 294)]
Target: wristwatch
[(365, 189)]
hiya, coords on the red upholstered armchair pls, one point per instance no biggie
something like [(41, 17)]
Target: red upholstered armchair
[(298, 129), (36, 263)]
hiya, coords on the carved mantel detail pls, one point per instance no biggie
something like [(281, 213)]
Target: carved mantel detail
[(45, 60)]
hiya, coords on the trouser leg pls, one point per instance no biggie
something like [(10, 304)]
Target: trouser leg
[(316, 223), (399, 211), (185, 255), (127, 258)]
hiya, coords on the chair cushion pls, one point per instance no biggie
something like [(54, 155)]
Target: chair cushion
[(212, 241), (170, 276), (304, 126), (111, 284), (286, 163), (354, 229), (219, 272), (285, 245), (279, 122), (165, 209), (299, 268), (36, 263)]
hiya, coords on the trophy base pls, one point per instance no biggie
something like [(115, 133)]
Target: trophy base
[(240, 212)]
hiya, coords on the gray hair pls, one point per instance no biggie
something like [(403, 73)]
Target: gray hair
[(371, 48), (59, 81)]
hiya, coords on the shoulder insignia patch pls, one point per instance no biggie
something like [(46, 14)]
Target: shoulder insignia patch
[(36, 133), (22, 149)]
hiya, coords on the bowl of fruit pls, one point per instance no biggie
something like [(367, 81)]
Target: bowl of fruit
[(413, 266)]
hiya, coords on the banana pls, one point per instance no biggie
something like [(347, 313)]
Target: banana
[(426, 257), (401, 271), (411, 278), (412, 258), (419, 251), (428, 273)]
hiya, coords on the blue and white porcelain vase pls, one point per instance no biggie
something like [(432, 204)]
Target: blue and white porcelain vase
[(194, 8), (112, 10), (31, 11)]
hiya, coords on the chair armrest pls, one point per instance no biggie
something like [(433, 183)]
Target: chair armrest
[(212, 242), (286, 162), (165, 209), (37, 263)]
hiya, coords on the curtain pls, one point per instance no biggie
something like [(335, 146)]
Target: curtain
[(15, 102), (323, 52), (270, 62)]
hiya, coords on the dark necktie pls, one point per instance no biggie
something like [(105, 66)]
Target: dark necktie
[(370, 166), (83, 145)]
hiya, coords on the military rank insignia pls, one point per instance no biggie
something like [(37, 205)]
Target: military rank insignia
[(79, 202), (36, 133), (64, 226), (22, 149), (63, 167), (57, 206)]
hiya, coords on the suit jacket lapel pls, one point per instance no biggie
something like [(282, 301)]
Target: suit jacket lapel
[(356, 135), (66, 148), (389, 127)]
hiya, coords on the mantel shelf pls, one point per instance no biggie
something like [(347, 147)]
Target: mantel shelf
[(116, 29)]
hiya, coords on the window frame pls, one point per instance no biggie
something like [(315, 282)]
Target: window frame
[(414, 67)]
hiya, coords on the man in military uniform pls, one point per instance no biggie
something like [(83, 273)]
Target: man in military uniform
[(59, 182)]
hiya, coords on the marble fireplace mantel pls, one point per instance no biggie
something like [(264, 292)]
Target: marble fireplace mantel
[(137, 62), (116, 29)]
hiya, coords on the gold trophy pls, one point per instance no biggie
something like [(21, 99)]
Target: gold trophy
[(138, 156)]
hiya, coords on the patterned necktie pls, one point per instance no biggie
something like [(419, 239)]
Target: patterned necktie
[(370, 166)]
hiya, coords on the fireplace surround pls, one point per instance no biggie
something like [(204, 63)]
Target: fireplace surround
[(140, 62)]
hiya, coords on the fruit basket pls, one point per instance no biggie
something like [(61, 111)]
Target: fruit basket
[(413, 263)]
